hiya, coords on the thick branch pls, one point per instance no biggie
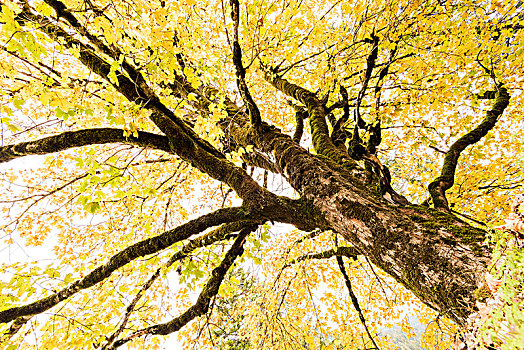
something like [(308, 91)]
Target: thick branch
[(445, 181), (202, 304), (317, 118), (142, 248), (135, 89), (182, 139), (378, 65), (209, 238), (70, 139)]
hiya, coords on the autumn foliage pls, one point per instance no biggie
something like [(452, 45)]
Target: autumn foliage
[(261, 174)]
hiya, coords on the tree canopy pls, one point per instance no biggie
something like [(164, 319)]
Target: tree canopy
[(257, 174)]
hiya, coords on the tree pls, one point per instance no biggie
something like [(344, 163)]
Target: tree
[(164, 112)]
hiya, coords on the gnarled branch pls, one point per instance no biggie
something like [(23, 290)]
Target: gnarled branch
[(317, 118), (438, 187)]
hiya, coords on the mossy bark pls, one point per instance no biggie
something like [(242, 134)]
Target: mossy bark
[(438, 257), (434, 254)]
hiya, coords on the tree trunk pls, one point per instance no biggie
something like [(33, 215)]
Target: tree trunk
[(432, 253)]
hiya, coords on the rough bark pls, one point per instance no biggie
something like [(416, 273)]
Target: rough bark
[(434, 254), (437, 256), (80, 138)]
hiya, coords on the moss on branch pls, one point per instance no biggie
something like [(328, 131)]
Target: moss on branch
[(142, 248), (438, 187), (80, 138)]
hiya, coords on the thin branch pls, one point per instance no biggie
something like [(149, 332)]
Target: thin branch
[(378, 279), (437, 149), (85, 137), (44, 195), (40, 198), (382, 74), (142, 248), (348, 252), (202, 304), (179, 57), (254, 112), (354, 299), (39, 67), (310, 235), (469, 218), (283, 71), (510, 186), (438, 187), (378, 65), (371, 61)]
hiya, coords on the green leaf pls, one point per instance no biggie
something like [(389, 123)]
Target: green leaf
[(92, 207)]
